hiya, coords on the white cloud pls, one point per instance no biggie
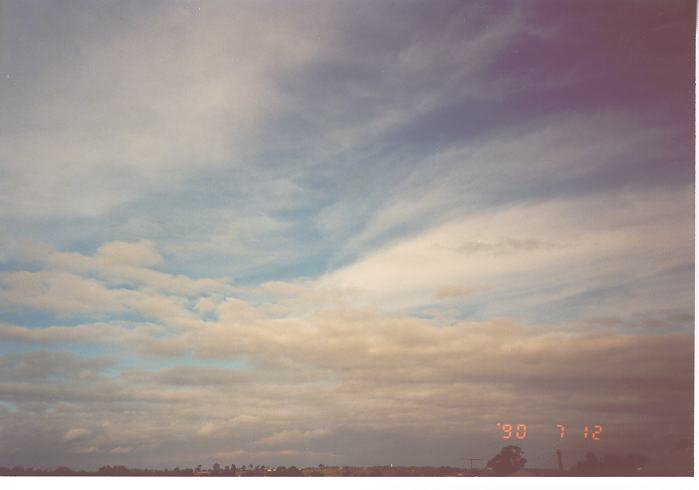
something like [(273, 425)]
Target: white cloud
[(575, 244), (69, 294), (140, 253), (117, 263)]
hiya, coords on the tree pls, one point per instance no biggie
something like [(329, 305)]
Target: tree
[(509, 460)]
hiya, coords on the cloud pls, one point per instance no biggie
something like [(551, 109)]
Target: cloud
[(286, 437), (322, 363), (191, 376), (347, 372), (573, 245), (68, 294), (43, 366), (453, 292), (539, 159), (116, 263), (153, 98), (85, 333), (137, 254), (76, 433)]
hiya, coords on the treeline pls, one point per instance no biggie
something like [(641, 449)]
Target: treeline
[(509, 462), (121, 470), (243, 471)]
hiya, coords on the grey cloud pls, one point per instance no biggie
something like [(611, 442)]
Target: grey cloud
[(42, 365), (508, 245), (86, 333), (372, 376), (654, 320), (191, 376)]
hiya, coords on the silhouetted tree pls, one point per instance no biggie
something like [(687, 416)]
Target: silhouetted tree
[(509, 460)]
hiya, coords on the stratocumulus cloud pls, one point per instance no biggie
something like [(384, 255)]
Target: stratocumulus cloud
[(343, 232)]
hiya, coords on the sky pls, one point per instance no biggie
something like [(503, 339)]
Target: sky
[(345, 232)]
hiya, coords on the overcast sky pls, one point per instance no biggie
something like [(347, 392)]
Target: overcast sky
[(344, 232)]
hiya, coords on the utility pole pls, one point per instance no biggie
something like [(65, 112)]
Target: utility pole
[(559, 457)]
